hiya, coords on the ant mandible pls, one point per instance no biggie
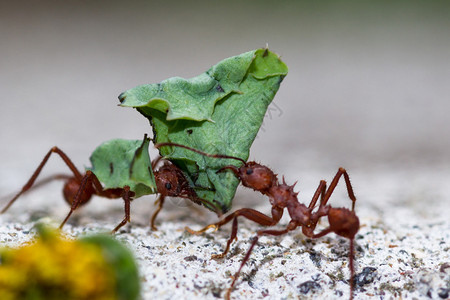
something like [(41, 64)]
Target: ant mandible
[(79, 189), (342, 221)]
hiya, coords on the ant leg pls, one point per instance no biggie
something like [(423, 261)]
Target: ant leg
[(87, 179), (325, 195), (248, 213), (44, 182), (36, 173), (350, 256), (291, 226), (260, 218), (314, 219), (155, 162), (333, 184), (50, 179), (160, 202), (352, 267), (233, 237), (319, 192), (127, 200), (344, 223), (126, 196)]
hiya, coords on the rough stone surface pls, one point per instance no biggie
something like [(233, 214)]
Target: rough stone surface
[(402, 248)]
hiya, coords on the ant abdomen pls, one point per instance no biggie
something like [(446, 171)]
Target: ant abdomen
[(256, 176), (71, 188), (343, 222)]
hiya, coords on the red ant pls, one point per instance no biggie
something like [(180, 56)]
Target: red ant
[(171, 182), (78, 189), (342, 221)]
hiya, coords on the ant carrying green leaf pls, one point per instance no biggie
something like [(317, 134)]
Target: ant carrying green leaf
[(120, 169), (342, 221)]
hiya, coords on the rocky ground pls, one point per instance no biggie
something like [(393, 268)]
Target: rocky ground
[(402, 248)]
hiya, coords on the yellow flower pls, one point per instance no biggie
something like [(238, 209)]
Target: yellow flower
[(56, 268)]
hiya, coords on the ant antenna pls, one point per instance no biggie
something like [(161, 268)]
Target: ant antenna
[(159, 145)]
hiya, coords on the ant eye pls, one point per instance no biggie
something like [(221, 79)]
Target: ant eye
[(168, 185), (249, 171)]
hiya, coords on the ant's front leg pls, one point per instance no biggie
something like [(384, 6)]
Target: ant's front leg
[(291, 226), (247, 213), (160, 202), (126, 198), (320, 192)]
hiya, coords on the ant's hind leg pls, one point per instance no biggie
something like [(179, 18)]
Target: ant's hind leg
[(43, 182), (351, 254), (36, 173), (333, 184)]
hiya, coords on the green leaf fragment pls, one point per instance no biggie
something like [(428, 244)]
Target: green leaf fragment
[(219, 111), (123, 263), (191, 99), (118, 163)]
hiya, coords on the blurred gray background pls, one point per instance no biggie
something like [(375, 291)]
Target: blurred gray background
[(368, 86)]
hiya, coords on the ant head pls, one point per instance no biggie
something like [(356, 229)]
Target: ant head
[(256, 176), (343, 222), (71, 188), (282, 194), (167, 181)]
